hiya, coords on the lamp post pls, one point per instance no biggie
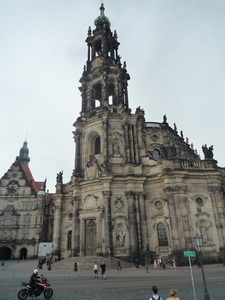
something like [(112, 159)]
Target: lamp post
[(146, 260), (198, 244)]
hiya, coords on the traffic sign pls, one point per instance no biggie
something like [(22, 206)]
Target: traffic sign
[(189, 254)]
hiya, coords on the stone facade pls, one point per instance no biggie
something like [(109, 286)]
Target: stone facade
[(136, 185), (24, 219)]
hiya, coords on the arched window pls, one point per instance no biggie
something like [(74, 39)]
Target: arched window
[(69, 240), (156, 154), (97, 145), (162, 236)]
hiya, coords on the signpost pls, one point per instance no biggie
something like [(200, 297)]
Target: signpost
[(190, 254)]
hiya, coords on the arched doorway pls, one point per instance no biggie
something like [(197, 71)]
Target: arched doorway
[(5, 253), (23, 253)]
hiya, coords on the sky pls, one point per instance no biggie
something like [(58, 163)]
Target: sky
[(174, 51)]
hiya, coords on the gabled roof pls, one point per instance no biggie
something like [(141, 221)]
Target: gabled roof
[(36, 185)]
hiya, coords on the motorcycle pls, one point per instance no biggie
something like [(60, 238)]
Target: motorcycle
[(27, 291)]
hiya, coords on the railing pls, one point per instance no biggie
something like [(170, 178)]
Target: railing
[(186, 164)]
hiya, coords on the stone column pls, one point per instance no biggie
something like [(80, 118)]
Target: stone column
[(127, 146), (77, 137), (105, 140), (173, 217), (107, 219), (75, 225), (57, 227), (136, 204), (216, 194), (132, 222), (143, 222), (136, 146), (131, 143), (82, 237)]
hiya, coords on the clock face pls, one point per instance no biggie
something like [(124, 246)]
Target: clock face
[(14, 175)]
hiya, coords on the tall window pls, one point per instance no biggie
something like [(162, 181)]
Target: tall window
[(7, 220), (156, 154), (162, 236), (5, 235), (12, 234), (97, 145), (25, 234), (26, 221), (69, 240)]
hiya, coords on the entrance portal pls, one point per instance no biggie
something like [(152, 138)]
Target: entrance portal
[(23, 253), (5, 253), (90, 237)]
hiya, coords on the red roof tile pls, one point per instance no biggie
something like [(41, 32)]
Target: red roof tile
[(35, 184)]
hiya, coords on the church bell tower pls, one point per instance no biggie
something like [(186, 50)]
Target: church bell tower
[(103, 87)]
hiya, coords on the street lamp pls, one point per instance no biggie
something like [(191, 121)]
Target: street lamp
[(198, 245), (146, 260)]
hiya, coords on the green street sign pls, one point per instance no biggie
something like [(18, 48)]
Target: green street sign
[(189, 254)]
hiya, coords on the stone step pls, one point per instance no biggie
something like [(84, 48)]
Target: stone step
[(87, 262)]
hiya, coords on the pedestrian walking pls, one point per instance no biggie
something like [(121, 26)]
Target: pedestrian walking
[(95, 268), (174, 267), (163, 263), (103, 270), (2, 265), (155, 295), (173, 295), (155, 264), (159, 262)]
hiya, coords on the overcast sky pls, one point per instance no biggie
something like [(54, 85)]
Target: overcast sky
[(174, 52)]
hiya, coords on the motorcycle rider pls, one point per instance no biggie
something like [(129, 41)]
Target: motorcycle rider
[(34, 279)]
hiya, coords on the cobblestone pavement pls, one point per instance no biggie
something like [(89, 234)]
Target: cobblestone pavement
[(129, 284)]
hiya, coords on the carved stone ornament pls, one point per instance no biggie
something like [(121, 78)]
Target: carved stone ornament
[(119, 204), (106, 194), (176, 189), (76, 199), (94, 170), (57, 207), (12, 189), (116, 142), (215, 190), (130, 194)]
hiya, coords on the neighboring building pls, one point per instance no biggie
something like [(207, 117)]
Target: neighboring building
[(136, 185), (24, 220)]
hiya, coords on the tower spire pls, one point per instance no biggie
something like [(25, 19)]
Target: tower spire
[(23, 157), (104, 79)]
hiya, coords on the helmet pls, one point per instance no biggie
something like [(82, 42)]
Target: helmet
[(35, 271)]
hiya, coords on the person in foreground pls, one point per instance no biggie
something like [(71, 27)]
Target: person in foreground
[(103, 270), (155, 295), (173, 295), (34, 279)]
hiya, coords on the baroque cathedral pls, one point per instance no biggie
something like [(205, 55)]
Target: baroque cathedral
[(136, 185)]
